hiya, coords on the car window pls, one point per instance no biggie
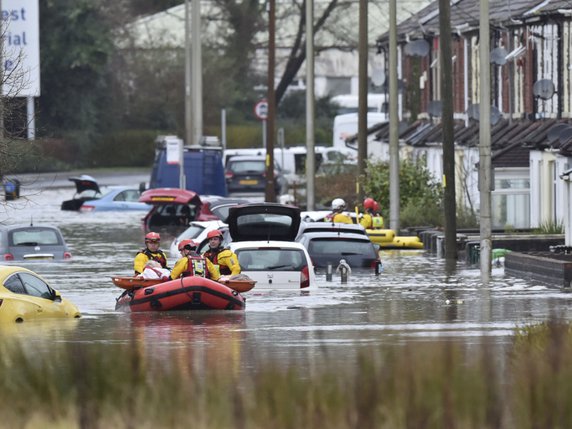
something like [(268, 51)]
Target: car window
[(277, 224), (14, 284), (36, 287), (130, 195), (34, 237), (271, 259), (247, 167), (341, 247)]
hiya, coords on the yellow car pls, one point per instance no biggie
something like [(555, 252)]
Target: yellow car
[(24, 296)]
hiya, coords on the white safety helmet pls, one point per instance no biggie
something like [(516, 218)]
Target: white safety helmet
[(338, 204)]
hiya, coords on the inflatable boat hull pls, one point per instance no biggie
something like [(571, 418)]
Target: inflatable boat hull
[(188, 293)]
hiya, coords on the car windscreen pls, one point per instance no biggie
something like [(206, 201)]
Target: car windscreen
[(341, 246), (238, 167), (34, 237), (271, 259)]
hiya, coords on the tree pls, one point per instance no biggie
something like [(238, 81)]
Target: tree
[(76, 45)]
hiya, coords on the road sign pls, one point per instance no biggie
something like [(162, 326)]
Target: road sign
[(261, 110)]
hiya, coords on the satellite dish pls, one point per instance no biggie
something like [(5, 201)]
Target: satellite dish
[(474, 113), (496, 115), (565, 135), (543, 88), (417, 48), (554, 132), (498, 56), (377, 76), (435, 108)]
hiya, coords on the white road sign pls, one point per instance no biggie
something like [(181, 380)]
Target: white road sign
[(21, 56), (261, 110)]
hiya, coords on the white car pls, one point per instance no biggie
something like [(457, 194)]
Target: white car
[(196, 231), (263, 239), (275, 265)]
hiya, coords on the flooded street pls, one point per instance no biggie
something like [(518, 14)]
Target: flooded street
[(414, 299)]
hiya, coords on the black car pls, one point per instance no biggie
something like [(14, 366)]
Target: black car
[(330, 247), (247, 175)]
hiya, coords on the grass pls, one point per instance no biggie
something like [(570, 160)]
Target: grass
[(420, 385)]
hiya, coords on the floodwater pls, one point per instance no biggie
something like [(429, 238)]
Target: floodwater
[(415, 298)]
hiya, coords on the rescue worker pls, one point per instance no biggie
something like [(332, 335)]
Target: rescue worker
[(367, 219), (223, 258), (193, 264), (150, 252), (337, 215), (377, 219)]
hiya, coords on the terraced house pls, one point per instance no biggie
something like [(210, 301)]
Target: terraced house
[(531, 95)]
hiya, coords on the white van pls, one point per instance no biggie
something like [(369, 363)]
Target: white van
[(346, 126), (348, 103), (292, 160)]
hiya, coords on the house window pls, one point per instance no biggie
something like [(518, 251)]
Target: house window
[(511, 199)]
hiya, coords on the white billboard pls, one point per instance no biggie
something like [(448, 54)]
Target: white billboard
[(21, 54)]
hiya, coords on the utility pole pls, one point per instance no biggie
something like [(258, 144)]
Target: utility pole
[(188, 140), (485, 142), (450, 207), (270, 123), (188, 71), (362, 96), (196, 75), (310, 108), (393, 121)]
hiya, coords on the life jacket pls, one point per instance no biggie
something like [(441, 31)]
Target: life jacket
[(377, 221), (159, 256), (196, 266), (212, 254), (366, 221)]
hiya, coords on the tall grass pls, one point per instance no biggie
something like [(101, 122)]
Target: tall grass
[(419, 385)]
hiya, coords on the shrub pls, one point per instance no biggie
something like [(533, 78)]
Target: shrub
[(420, 194), (128, 148), (550, 227)]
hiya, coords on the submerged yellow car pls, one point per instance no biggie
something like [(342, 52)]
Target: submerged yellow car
[(24, 295)]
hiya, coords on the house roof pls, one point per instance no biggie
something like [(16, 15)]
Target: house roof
[(465, 16), (511, 141)]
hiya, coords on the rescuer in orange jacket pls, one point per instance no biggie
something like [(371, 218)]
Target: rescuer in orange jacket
[(150, 252), (223, 258), (193, 264)]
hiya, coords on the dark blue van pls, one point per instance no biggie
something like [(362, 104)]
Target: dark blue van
[(204, 171)]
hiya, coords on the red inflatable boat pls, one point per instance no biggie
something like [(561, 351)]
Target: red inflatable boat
[(187, 293)]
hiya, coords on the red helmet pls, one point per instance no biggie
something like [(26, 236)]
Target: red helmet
[(376, 207), (369, 203), (215, 233), (189, 244), (153, 236)]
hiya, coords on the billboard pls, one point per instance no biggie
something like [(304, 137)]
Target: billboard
[(20, 55)]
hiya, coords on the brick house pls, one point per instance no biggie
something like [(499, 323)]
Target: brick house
[(531, 95)]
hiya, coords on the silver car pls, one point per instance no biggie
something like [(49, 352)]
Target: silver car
[(32, 242)]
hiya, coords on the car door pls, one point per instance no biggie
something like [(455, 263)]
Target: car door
[(36, 299)]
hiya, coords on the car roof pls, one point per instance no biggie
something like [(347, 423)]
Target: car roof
[(234, 245), (335, 235), (338, 228), (247, 158), (244, 225), (26, 225)]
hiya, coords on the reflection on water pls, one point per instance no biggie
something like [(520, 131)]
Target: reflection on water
[(414, 299)]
